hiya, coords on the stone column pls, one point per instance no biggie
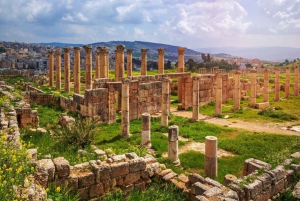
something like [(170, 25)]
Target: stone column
[(125, 108), (146, 133), (211, 160), (88, 67), (253, 88), (97, 64), (180, 69), (161, 60), (116, 66), (67, 69), (237, 90), (58, 69), (51, 68), (218, 109), (277, 84), (120, 50), (103, 64), (144, 61), (129, 62), (107, 63), (165, 102), (195, 99), (296, 84), (287, 82), (173, 145), (77, 70), (266, 85)]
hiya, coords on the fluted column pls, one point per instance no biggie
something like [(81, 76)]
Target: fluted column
[(88, 67), (77, 70), (67, 69), (180, 69), (120, 50), (296, 84), (97, 64), (237, 90), (116, 66), (125, 108), (287, 82), (277, 84), (218, 109), (253, 88), (144, 61), (266, 85), (103, 63), (51, 68), (58, 69), (161, 60), (129, 62), (195, 99), (106, 72), (165, 102)]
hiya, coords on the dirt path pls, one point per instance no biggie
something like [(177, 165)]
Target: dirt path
[(235, 123)]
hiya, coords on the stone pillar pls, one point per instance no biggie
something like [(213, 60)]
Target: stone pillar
[(218, 109), (120, 60), (277, 84), (237, 90), (253, 88), (77, 70), (146, 133), (67, 69), (97, 64), (211, 160), (58, 69), (125, 108), (51, 68), (180, 69), (103, 64), (116, 66), (107, 64), (195, 99), (173, 145), (165, 102), (266, 85), (88, 67), (144, 61), (161, 60), (129, 62), (296, 84), (287, 82)]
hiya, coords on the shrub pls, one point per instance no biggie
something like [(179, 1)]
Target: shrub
[(277, 114), (80, 133)]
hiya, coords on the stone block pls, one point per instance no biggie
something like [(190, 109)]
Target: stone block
[(253, 189), (105, 172), (132, 178), (140, 186), (201, 198), (119, 169), (153, 169), (193, 178), (62, 167), (212, 192), (46, 166), (109, 184), (118, 158), (96, 190), (85, 178), (240, 191), (213, 182), (199, 188), (136, 165), (278, 186), (262, 105), (266, 180), (169, 176)]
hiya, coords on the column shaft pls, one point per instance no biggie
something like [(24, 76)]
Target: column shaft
[(211, 160), (253, 88), (173, 144), (67, 69), (296, 84), (144, 61), (218, 109), (266, 85), (180, 69), (125, 108), (237, 90), (161, 60), (277, 84), (51, 68), (102, 62), (97, 64), (58, 69), (195, 99), (129, 62), (287, 82), (165, 102), (77, 70), (146, 131), (88, 67)]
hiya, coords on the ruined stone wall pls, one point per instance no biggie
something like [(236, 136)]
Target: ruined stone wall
[(27, 117)]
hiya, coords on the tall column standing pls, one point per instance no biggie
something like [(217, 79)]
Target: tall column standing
[(218, 109), (88, 67), (120, 50), (287, 82), (266, 85), (77, 70), (296, 84), (125, 108), (237, 90), (173, 145), (181, 51), (129, 62), (144, 61), (116, 66), (102, 61), (97, 63), (146, 132), (67, 69), (253, 88), (211, 160), (51, 68), (107, 63), (277, 84), (161, 60), (165, 102), (58, 69), (195, 99)]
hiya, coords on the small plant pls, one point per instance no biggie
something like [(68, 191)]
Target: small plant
[(277, 114), (61, 193)]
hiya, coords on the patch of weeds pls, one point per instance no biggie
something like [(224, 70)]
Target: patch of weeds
[(277, 114), (61, 193), (278, 108)]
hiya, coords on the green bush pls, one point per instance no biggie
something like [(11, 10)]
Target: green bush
[(277, 114)]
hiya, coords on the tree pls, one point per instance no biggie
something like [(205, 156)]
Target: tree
[(248, 65), (203, 57), (2, 49), (208, 58), (168, 65), (286, 62)]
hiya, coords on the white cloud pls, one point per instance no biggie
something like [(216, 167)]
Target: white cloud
[(81, 17), (138, 31), (67, 17)]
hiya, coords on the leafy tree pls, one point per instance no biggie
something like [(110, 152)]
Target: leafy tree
[(2, 49), (286, 62), (248, 65), (208, 58), (168, 65)]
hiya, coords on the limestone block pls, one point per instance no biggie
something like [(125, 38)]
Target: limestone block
[(149, 159), (295, 155), (131, 155), (85, 178), (296, 191), (105, 172), (96, 190), (132, 178), (240, 191), (118, 158), (213, 182), (140, 186), (201, 198), (153, 169), (71, 182), (109, 184), (33, 153), (262, 105), (119, 169), (253, 189), (136, 165), (193, 178), (62, 167), (212, 192), (278, 186), (46, 166), (199, 188), (169, 176), (252, 165), (83, 193)]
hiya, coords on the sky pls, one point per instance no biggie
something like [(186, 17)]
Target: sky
[(189, 23)]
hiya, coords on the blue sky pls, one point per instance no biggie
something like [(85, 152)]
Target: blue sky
[(190, 23)]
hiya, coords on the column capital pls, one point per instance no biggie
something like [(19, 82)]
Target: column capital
[(166, 79), (120, 48), (196, 78), (181, 50), (237, 72), (102, 49), (126, 80), (129, 51), (57, 52), (266, 70), (77, 48), (97, 53), (287, 68), (50, 51), (66, 50), (161, 51), (88, 49), (252, 71), (277, 69), (144, 51)]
